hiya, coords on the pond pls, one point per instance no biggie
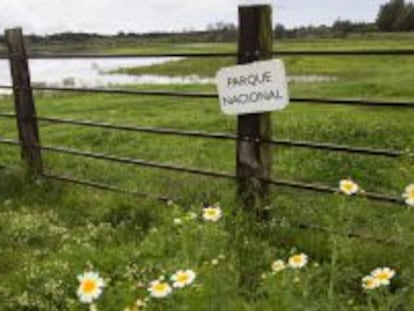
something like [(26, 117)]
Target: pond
[(96, 72)]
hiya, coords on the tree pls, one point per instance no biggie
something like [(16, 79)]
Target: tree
[(280, 31), (405, 21), (223, 31), (389, 14), (342, 27)]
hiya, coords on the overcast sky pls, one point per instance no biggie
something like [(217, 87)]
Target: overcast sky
[(112, 16)]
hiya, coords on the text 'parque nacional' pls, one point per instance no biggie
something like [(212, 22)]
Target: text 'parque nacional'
[(252, 88)]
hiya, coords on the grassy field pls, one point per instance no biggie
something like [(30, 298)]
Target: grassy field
[(50, 232)]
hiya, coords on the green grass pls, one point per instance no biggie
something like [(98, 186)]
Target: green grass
[(50, 232)]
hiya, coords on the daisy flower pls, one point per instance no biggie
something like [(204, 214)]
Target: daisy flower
[(278, 265), (298, 261), (159, 289), (183, 278), (137, 306), (212, 213), (90, 287), (369, 282), (348, 187), (192, 215), (383, 275), (177, 221), (409, 195), (140, 303)]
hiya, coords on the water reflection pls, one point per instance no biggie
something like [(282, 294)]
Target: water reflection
[(96, 73)]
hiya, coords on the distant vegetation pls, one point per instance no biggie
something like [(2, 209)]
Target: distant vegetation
[(396, 16)]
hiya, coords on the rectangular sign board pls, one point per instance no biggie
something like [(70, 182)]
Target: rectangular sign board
[(252, 88)]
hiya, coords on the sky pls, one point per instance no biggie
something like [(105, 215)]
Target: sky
[(113, 16)]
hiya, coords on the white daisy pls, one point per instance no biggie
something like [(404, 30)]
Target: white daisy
[(348, 187), (140, 303), (159, 289), (90, 287), (369, 282), (278, 265), (409, 195), (212, 213), (298, 261), (383, 275), (178, 221), (192, 215), (183, 278)]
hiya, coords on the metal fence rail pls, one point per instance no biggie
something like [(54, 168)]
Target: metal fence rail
[(322, 53), (139, 162), (209, 95), (327, 189), (350, 235), (124, 160), (280, 222), (228, 136), (222, 136), (102, 186)]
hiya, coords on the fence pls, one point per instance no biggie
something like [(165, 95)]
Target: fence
[(253, 135)]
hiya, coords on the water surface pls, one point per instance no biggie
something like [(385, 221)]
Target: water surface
[(91, 72)]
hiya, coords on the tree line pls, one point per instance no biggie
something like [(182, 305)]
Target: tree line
[(393, 16)]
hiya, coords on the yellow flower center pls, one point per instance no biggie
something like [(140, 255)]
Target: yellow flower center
[(211, 212), (369, 283), (348, 186), (411, 193), (383, 276), (160, 287), (297, 259), (182, 278), (89, 286)]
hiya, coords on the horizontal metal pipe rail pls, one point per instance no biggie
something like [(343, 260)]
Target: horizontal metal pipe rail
[(295, 226), (206, 95), (382, 52), (327, 189), (139, 162), (102, 186), (350, 235), (125, 55), (142, 129), (224, 136), (98, 185), (354, 102), (340, 148), (227, 136), (120, 91), (125, 160)]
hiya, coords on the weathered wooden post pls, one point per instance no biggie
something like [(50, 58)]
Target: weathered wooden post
[(254, 157), (23, 102)]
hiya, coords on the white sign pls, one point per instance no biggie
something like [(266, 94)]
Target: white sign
[(256, 87)]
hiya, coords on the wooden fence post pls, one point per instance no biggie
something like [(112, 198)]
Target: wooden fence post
[(253, 157), (23, 102)]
